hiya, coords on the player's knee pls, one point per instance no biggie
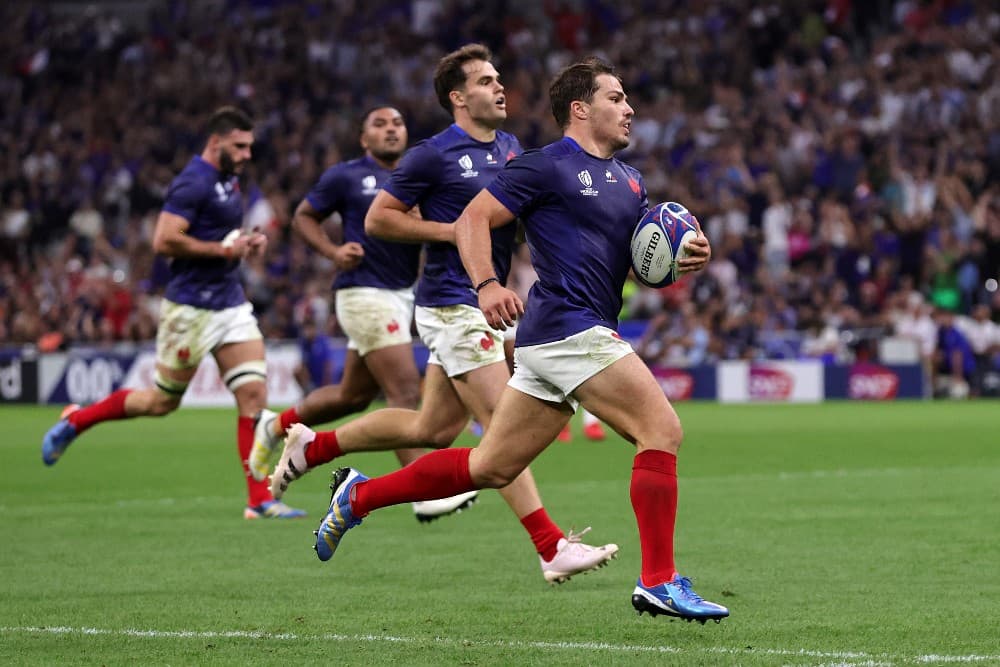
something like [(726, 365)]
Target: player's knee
[(358, 402), (163, 404), (250, 376), (442, 437), (404, 395), (672, 435), (439, 440), (167, 396), (496, 477), (248, 382)]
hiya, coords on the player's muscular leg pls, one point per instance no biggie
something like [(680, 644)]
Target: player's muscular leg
[(481, 391), (244, 372), (396, 373), (156, 402), (357, 389), (626, 396), (438, 422), (522, 427)]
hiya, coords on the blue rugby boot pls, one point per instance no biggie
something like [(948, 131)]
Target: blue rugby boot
[(340, 518), (676, 598), (59, 437), (273, 509)]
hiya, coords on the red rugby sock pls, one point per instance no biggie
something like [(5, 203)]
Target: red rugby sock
[(109, 408), (323, 449), (654, 501), (287, 418), (257, 492), (545, 534), (439, 474)]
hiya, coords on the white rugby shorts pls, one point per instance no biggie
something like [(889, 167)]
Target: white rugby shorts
[(552, 371), (185, 334), (374, 318), (458, 337)]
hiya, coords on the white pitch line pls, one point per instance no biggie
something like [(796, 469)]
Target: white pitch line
[(853, 658)]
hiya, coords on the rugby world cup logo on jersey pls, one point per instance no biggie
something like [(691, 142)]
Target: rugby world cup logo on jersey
[(465, 162), (587, 180), (369, 186), (223, 190)]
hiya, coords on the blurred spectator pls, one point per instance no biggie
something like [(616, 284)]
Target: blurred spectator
[(838, 154), (983, 336), (316, 368), (954, 361)]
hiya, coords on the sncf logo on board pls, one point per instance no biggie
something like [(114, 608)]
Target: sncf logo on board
[(770, 384), (872, 382)]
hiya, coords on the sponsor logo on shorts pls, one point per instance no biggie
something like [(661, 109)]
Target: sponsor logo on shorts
[(486, 342), (184, 354), (392, 327)]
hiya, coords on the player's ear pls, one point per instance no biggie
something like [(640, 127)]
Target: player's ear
[(213, 143), (457, 98), (579, 109)]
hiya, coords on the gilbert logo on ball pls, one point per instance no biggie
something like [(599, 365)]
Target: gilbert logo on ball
[(658, 242)]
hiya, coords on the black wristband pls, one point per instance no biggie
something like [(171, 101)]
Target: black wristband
[(486, 282)]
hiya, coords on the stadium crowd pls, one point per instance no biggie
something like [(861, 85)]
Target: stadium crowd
[(843, 156)]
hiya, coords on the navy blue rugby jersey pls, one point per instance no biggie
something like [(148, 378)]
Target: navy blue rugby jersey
[(213, 205), (579, 212), (442, 175), (349, 188)]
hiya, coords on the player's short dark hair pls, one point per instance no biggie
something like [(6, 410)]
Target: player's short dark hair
[(226, 119), (576, 82), (449, 75), (369, 111)]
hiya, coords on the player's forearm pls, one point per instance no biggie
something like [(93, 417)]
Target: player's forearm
[(313, 234), (182, 245), (475, 246), (393, 225)]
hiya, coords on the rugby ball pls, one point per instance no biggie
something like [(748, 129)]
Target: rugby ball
[(658, 242)]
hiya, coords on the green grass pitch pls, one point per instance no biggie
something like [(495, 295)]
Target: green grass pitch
[(838, 534)]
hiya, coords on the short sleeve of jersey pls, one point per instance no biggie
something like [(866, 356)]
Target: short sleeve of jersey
[(417, 173), (519, 185), (327, 195), (184, 198), (643, 195)]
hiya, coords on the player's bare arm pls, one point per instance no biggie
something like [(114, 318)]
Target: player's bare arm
[(500, 305), (170, 238), (699, 251), (391, 220), (308, 223)]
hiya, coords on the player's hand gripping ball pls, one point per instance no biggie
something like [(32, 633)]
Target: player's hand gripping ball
[(658, 242)]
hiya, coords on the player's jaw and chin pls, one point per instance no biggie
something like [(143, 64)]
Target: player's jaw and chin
[(228, 165), (388, 154)]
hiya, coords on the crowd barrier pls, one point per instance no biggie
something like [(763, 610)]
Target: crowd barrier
[(86, 374)]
